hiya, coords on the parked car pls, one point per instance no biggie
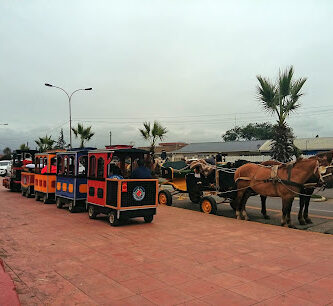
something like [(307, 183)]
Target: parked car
[(5, 166)]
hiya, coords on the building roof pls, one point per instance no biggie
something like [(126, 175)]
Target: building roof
[(305, 144), (222, 147)]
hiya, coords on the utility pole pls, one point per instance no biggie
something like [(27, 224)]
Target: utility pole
[(110, 138)]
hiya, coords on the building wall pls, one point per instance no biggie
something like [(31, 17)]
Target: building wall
[(229, 158)]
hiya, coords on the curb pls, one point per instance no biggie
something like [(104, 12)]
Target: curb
[(8, 294)]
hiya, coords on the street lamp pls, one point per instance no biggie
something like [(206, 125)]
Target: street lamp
[(69, 101)]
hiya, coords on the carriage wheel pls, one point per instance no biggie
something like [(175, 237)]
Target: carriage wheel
[(208, 205), (71, 207), (37, 196), (92, 212), (59, 203), (114, 221), (165, 197), (149, 219)]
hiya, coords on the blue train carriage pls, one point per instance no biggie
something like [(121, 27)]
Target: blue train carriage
[(71, 181)]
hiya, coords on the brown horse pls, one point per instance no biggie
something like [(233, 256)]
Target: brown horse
[(287, 182), (307, 190)]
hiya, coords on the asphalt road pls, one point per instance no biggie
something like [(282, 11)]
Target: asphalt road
[(323, 209), (321, 213)]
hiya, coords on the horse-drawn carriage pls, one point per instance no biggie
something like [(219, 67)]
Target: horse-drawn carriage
[(234, 184), (113, 192), (201, 181)]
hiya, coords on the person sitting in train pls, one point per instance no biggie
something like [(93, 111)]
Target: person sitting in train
[(44, 170), (141, 172), (115, 172), (53, 165)]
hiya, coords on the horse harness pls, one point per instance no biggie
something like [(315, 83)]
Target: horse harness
[(274, 178)]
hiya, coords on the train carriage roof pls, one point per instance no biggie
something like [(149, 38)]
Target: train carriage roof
[(121, 151)]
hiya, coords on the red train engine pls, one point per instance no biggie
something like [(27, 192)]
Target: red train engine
[(115, 193)]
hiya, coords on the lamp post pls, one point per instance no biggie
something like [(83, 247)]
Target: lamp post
[(69, 102)]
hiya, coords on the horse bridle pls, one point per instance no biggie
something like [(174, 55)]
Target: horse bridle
[(321, 170)]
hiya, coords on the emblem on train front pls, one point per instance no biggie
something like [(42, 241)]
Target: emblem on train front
[(139, 193)]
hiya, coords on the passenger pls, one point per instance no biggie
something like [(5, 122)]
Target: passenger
[(141, 172), (44, 170), (53, 165), (115, 172)]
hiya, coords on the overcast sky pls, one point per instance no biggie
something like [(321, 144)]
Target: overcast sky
[(190, 64)]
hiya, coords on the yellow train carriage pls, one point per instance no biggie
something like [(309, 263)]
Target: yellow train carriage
[(45, 176)]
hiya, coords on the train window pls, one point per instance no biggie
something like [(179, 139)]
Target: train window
[(100, 168), (71, 166), (37, 165), (65, 171), (60, 165), (100, 193), (43, 164), (53, 165), (92, 166), (91, 191), (83, 165), (125, 166)]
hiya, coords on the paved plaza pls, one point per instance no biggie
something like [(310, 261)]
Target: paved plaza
[(183, 258)]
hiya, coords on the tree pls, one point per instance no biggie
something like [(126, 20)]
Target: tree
[(281, 98), (24, 147), (61, 143), (6, 153), (45, 143), (151, 134), (85, 134), (252, 131)]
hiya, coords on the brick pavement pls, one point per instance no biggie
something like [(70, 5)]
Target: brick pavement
[(184, 257)]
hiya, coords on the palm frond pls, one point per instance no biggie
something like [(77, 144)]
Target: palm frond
[(158, 130), (144, 134), (266, 94), (296, 88), (285, 82)]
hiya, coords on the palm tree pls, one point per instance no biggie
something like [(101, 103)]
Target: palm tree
[(84, 134), (45, 143), (151, 134), (281, 98), (7, 151), (24, 147)]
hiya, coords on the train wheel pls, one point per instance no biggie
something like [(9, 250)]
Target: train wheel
[(28, 194), (59, 203), (114, 221), (37, 196), (92, 212), (165, 197), (208, 205), (71, 207), (149, 219), (45, 199)]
